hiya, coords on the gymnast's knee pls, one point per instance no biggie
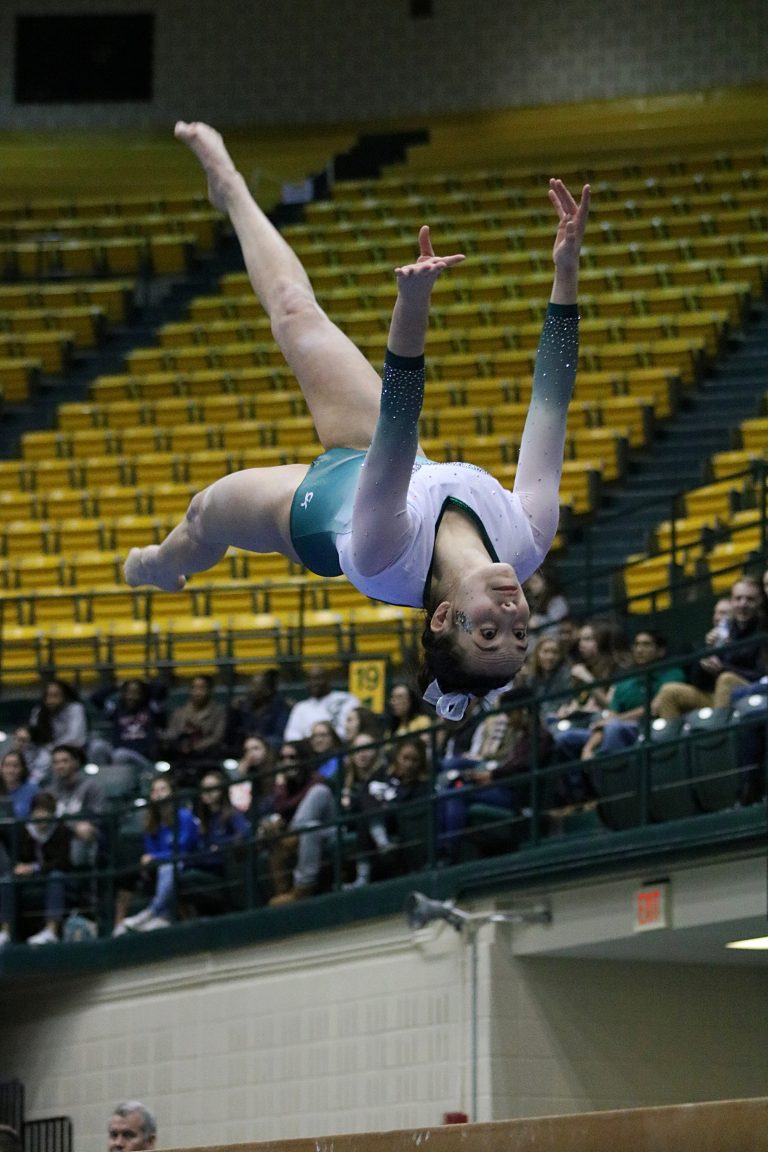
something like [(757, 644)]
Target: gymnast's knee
[(293, 309)]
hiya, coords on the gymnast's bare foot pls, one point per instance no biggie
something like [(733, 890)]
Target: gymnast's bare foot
[(141, 568), (208, 145)]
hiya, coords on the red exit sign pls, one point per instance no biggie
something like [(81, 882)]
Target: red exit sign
[(652, 908)]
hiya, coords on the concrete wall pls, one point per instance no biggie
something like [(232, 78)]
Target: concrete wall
[(369, 1029), (321, 61)]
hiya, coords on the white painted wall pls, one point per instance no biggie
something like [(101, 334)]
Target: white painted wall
[(322, 61), (369, 1029)]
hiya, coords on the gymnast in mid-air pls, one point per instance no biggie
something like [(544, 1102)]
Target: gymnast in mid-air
[(445, 537)]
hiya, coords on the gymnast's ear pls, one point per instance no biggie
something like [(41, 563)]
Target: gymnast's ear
[(442, 618)]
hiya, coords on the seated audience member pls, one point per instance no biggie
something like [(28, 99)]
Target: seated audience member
[(301, 822), (251, 789), (327, 751), (131, 1126), (507, 750), (170, 835), (261, 711), (406, 712), (546, 672), (194, 738), (80, 798), (136, 713), (221, 830), (380, 794), (619, 725), (361, 719), (711, 681), (59, 718), (548, 605), (43, 858), (322, 703), (595, 661), (17, 789)]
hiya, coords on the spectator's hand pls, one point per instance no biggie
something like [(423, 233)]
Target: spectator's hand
[(146, 859), (711, 664), (85, 831), (24, 870)]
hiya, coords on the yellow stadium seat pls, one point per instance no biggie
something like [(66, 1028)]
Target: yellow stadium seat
[(725, 464), (78, 534), (132, 648), (74, 650), (21, 655), (35, 571), (115, 500), (141, 439), (171, 255), (17, 506), (48, 474), (380, 630), (226, 598), (103, 471), (54, 605), (754, 434), (171, 411), (169, 499), (292, 594), (253, 641), (607, 444), (193, 644), (103, 603), (633, 414), (318, 632), (163, 606), (711, 499), (43, 445), (186, 438), (726, 562), (86, 569), (24, 537), (202, 468)]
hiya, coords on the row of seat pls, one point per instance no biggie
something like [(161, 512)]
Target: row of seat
[(161, 255), (204, 225), (204, 596), (191, 645), (49, 209), (690, 172), (115, 298)]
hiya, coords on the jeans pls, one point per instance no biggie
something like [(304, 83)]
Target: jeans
[(315, 812), (453, 812)]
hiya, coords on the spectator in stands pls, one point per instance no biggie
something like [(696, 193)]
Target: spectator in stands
[(222, 834), (17, 788), (170, 835), (406, 712), (304, 809), (9, 1139), (59, 718), (546, 599), (80, 797), (322, 703), (712, 680), (44, 853), (595, 661), (619, 725), (546, 672), (392, 803), (327, 750), (131, 1126), (251, 790), (261, 711), (361, 719), (194, 738), (136, 713), (507, 748)]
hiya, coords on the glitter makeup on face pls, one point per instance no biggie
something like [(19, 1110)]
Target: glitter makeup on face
[(461, 620)]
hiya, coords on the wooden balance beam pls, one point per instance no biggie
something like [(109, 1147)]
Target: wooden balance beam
[(718, 1126)]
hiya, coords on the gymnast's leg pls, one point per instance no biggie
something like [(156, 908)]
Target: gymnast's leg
[(341, 388), (248, 509)]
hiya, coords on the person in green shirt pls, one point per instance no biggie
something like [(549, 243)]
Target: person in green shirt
[(619, 725)]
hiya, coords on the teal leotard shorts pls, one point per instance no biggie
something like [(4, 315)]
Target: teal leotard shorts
[(322, 507)]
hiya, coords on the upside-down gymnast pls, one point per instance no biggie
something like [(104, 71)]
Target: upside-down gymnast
[(405, 530)]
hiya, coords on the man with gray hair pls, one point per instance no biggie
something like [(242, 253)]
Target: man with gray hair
[(131, 1126)]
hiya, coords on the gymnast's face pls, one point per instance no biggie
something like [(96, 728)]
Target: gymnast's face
[(488, 618)]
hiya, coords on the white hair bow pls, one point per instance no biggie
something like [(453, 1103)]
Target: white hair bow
[(448, 705)]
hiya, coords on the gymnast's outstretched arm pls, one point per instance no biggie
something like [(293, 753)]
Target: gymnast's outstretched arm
[(537, 481), (380, 522)]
